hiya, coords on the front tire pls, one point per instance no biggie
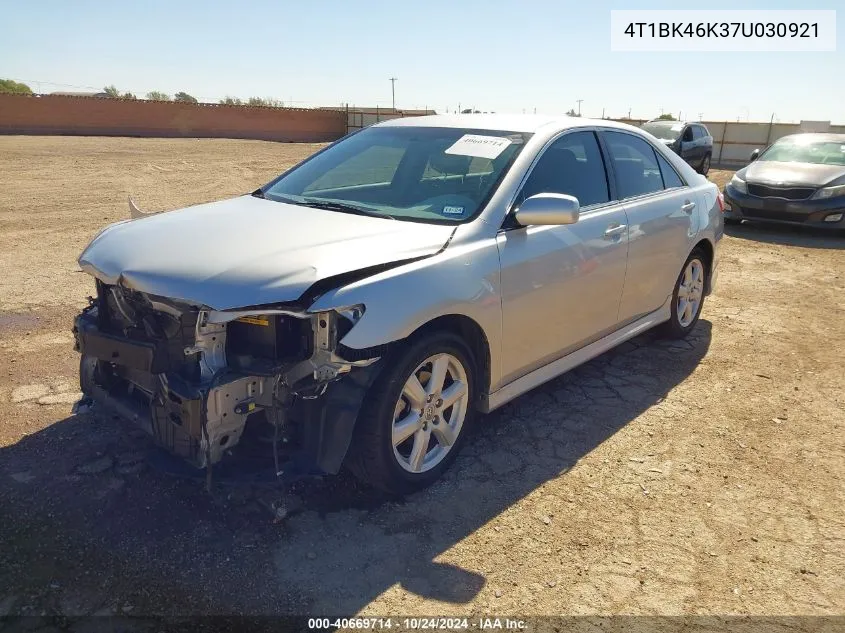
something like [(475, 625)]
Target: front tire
[(688, 297), (704, 168), (415, 417)]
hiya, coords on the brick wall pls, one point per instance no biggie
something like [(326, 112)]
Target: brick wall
[(91, 116)]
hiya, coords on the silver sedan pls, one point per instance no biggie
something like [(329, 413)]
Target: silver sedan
[(364, 306)]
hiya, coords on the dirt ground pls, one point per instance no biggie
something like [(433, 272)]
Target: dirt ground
[(702, 477)]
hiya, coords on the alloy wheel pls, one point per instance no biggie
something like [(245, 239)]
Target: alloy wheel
[(430, 413), (690, 292)]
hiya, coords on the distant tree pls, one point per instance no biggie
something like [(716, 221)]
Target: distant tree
[(227, 100), (470, 111), (14, 87), (155, 95), (184, 97), (666, 117), (256, 101), (112, 91), (572, 113), (128, 95)]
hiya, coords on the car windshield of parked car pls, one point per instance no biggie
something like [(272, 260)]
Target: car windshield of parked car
[(665, 131), (423, 174), (804, 151)]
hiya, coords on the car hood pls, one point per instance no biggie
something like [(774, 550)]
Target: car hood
[(249, 251), (772, 172)]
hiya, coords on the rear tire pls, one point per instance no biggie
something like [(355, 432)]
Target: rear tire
[(416, 415), (688, 297)]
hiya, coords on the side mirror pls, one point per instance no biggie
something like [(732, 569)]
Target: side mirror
[(548, 209), (755, 154)]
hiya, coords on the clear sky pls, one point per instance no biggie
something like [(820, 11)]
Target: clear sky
[(499, 55)]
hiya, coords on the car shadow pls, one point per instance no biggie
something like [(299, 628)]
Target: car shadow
[(89, 527), (787, 235)]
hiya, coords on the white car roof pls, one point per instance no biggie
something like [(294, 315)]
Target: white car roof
[(529, 123)]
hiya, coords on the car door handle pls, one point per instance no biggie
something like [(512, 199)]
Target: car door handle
[(615, 229), (688, 206)]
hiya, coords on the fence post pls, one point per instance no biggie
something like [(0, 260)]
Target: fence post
[(722, 143)]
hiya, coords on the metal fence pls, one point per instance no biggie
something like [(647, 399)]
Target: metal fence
[(733, 141), (357, 118)]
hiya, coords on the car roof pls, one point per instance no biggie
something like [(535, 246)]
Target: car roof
[(816, 136), (674, 122), (528, 123)]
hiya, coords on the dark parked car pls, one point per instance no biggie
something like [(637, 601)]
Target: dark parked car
[(799, 179), (691, 141)]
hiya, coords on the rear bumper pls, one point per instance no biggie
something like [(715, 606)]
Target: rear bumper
[(741, 206)]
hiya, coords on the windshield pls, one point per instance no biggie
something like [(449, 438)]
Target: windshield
[(424, 174), (806, 151), (669, 131)]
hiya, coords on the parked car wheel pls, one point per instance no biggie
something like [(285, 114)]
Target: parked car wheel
[(688, 297), (416, 415), (705, 165)]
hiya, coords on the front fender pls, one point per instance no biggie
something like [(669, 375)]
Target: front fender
[(461, 280)]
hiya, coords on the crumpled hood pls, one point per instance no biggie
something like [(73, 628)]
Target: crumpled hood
[(772, 172), (250, 251)]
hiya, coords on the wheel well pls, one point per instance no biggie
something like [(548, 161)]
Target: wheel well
[(472, 333), (707, 249)]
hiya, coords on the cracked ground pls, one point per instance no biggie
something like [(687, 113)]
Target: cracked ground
[(696, 477)]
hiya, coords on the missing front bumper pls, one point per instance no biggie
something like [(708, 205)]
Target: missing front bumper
[(201, 422)]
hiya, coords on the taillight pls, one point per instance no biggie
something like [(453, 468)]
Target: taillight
[(721, 200)]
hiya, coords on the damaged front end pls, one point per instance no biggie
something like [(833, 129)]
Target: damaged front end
[(198, 380)]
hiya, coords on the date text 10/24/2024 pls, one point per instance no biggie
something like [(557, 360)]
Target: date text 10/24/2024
[(418, 624)]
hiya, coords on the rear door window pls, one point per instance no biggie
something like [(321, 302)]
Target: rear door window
[(634, 163), (671, 179)]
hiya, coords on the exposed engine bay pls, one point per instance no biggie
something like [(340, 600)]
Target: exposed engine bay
[(196, 379)]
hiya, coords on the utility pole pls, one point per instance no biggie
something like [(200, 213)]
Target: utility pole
[(602, 113), (700, 116), (579, 101), (393, 91), (629, 113)]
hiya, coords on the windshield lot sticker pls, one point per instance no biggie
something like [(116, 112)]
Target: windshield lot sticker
[(479, 146), (448, 210)]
